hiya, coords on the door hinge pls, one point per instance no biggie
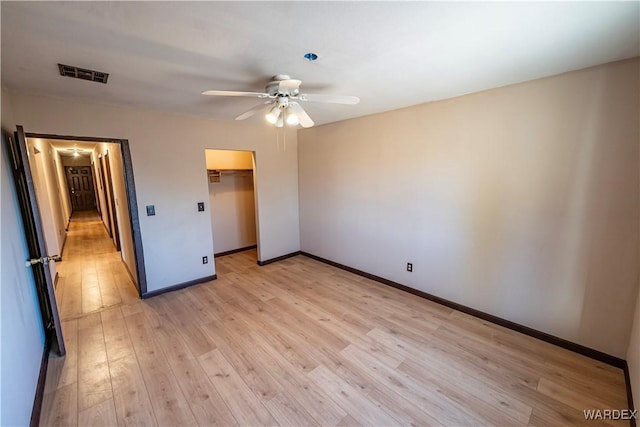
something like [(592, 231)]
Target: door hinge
[(43, 260)]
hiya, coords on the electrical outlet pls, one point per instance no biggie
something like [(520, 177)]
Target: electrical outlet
[(205, 260), (409, 267), (200, 206)]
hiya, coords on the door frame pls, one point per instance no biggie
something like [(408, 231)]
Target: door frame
[(112, 202), (103, 187), (130, 188), (95, 189)]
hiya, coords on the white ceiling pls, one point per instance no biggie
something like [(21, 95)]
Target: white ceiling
[(162, 55)]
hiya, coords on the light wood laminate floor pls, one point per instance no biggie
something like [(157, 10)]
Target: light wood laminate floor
[(298, 343)]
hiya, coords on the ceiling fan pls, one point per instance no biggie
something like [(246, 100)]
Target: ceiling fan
[(282, 94)]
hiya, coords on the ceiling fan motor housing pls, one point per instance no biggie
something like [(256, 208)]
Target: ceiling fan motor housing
[(282, 85)]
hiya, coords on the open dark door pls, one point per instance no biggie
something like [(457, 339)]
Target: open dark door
[(17, 147)]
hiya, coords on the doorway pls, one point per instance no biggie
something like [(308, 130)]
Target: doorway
[(232, 200), (95, 181)]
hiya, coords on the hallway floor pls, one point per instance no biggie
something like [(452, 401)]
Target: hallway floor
[(297, 342), (92, 275), (92, 282)]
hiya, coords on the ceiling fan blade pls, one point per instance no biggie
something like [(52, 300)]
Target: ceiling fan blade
[(305, 120), (252, 111), (233, 93), (334, 99)]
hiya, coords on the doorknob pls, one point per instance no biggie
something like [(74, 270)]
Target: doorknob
[(43, 260)]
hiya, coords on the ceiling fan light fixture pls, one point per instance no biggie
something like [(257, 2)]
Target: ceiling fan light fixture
[(273, 115), (292, 117), (282, 95)]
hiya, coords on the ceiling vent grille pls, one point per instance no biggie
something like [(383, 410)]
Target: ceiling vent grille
[(83, 73)]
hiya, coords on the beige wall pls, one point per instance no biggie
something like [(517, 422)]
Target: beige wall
[(520, 201), (121, 202), (170, 172)]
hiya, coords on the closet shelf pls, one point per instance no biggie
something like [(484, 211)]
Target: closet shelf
[(215, 174)]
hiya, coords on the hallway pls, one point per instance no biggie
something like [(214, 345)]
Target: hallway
[(92, 275)]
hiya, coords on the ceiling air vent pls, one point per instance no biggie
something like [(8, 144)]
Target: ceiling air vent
[(83, 73)]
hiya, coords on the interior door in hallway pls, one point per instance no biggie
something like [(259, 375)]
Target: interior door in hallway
[(81, 191)]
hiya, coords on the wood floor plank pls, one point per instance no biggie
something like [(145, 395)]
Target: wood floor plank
[(116, 336), (439, 404), (244, 405), (108, 289), (350, 399), (571, 397), (577, 381), (490, 405), (169, 404), (228, 336), (100, 414), (189, 323), (398, 407), (550, 417), (428, 365), (61, 407), (69, 373), (334, 324), (204, 400), (288, 412), (306, 392), (54, 371), (94, 382), (348, 421), (320, 345), (71, 305), (448, 352), (131, 399), (91, 295)]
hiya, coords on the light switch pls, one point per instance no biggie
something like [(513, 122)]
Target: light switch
[(200, 206), (151, 210)]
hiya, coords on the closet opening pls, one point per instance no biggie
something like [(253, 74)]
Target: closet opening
[(232, 201)]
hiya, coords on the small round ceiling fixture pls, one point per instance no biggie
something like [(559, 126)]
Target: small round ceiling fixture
[(310, 56)]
